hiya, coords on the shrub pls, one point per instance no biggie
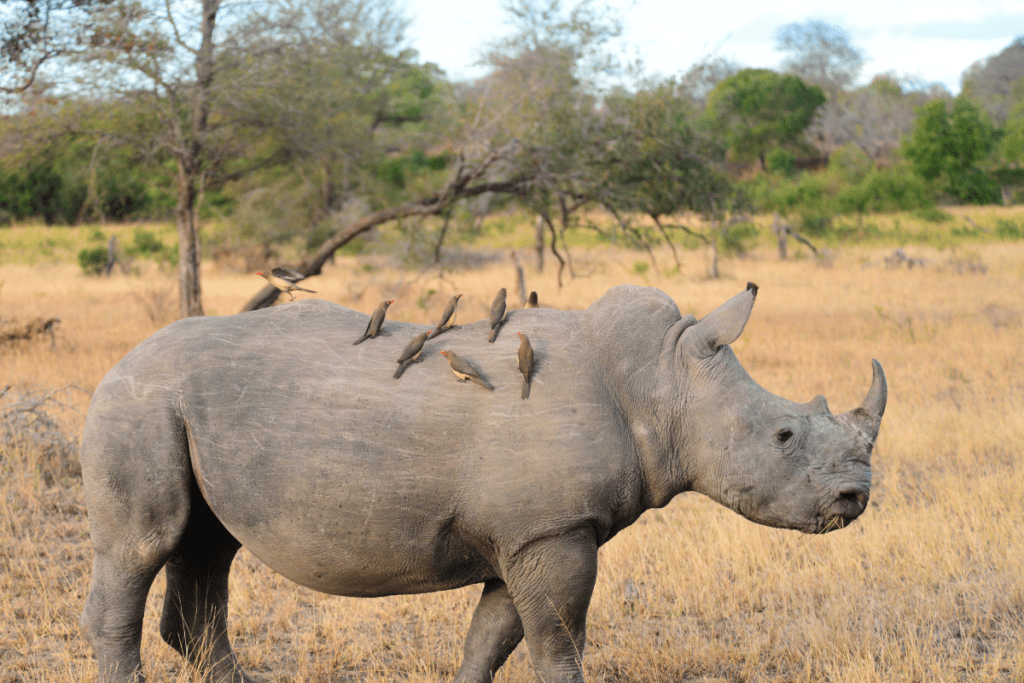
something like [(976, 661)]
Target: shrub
[(781, 161), (93, 259), (932, 214), (894, 189), (739, 239), (145, 244), (1008, 230)]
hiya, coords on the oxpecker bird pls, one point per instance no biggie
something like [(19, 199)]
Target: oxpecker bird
[(464, 371), (449, 313), (497, 314), (412, 351), (532, 301), (284, 279), (376, 322), (525, 363)]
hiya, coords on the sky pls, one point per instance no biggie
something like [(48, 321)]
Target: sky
[(929, 40)]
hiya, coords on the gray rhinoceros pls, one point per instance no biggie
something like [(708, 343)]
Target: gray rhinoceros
[(271, 430)]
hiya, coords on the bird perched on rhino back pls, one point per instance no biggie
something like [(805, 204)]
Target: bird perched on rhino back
[(449, 313), (532, 301), (376, 322), (525, 363), (464, 370), (411, 353), (284, 279), (497, 314)]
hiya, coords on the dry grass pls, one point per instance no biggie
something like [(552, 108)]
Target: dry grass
[(927, 586)]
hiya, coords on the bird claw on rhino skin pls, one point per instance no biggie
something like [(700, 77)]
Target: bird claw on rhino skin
[(639, 404)]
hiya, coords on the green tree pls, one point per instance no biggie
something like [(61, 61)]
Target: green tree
[(1012, 143), (661, 164), (948, 146), (759, 109)]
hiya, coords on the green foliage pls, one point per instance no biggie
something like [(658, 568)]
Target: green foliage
[(738, 239), (782, 161), (758, 109), (661, 163), (949, 146), (641, 267), (887, 189), (145, 244), (50, 175), (1008, 230), (851, 163), (93, 259), (1011, 146), (932, 214), (842, 189)]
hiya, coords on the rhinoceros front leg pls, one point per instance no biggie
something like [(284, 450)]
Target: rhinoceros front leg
[(494, 633), (551, 582)]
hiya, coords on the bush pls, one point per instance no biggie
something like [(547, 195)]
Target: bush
[(145, 244), (974, 187), (851, 163), (781, 161), (739, 239), (1008, 230), (93, 259), (894, 189), (815, 224), (932, 214)]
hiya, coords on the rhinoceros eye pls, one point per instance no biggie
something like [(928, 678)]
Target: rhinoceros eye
[(783, 435)]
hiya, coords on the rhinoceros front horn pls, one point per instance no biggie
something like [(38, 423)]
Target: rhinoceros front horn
[(868, 416)]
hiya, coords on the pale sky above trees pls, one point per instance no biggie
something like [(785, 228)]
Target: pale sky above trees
[(932, 40)]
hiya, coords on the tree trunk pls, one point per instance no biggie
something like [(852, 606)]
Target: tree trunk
[(189, 167), (538, 232), (190, 300), (520, 279), (713, 268)]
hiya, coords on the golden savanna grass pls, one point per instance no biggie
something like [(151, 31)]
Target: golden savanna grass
[(927, 586)]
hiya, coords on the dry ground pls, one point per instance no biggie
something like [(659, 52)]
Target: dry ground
[(927, 586)]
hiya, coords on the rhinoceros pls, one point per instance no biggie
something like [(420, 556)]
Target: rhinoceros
[(271, 430)]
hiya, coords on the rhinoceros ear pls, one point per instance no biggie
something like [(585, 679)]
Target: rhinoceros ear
[(722, 326)]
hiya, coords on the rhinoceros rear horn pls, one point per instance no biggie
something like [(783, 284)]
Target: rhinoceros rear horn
[(722, 326), (868, 415)]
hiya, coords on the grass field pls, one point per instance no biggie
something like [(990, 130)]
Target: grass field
[(928, 585)]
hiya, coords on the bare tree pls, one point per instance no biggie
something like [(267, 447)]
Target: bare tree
[(997, 82), (35, 32), (820, 53), (875, 118)]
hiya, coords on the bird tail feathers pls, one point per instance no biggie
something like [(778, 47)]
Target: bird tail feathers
[(526, 390), (401, 369)]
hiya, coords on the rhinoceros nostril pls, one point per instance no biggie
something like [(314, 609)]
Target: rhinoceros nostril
[(852, 492)]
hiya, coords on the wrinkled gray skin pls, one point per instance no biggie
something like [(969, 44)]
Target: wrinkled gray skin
[(270, 430)]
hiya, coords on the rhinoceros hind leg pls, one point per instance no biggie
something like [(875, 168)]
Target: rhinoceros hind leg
[(551, 582), (494, 633), (194, 620), (138, 495), (112, 618)]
